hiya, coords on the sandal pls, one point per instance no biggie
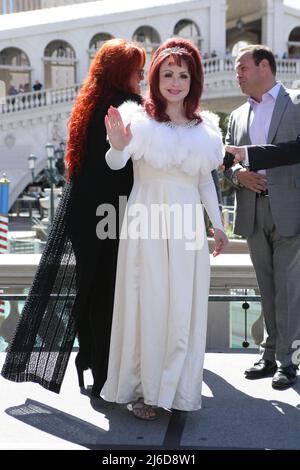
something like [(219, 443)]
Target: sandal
[(142, 411)]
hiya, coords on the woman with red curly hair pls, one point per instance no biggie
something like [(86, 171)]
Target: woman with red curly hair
[(114, 77), (73, 289), (160, 307)]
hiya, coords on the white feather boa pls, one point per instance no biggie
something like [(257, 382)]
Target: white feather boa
[(197, 149)]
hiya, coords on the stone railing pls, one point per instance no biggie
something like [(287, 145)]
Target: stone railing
[(288, 66), (220, 81), (226, 64), (229, 271), (37, 99), (218, 64)]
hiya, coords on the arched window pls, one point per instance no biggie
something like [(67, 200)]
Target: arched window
[(60, 64), (15, 70), (147, 36), (96, 42), (189, 30), (59, 50), (294, 43)]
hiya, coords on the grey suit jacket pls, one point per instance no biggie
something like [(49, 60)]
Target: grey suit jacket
[(283, 182)]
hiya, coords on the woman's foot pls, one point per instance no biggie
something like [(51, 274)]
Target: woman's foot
[(95, 392), (142, 411)]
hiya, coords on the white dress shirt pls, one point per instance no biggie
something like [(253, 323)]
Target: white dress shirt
[(260, 118)]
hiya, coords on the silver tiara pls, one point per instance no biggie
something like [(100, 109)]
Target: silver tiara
[(172, 50)]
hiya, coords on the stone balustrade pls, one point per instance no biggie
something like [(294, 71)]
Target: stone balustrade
[(226, 64), (220, 81), (36, 99)]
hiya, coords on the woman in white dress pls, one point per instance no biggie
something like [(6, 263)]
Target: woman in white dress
[(160, 308)]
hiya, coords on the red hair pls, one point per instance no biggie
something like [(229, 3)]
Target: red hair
[(185, 50), (109, 73)]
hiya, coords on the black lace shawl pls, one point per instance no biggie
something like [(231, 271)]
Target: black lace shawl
[(72, 258), (45, 334)]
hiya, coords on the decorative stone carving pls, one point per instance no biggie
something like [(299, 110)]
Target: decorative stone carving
[(58, 130), (9, 140)]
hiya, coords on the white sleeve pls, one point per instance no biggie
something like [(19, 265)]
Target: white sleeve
[(208, 196), (117, 159)]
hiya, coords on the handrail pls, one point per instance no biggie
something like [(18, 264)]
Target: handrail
[(50, 96), (212, 298), (38, 99), (226, 64)]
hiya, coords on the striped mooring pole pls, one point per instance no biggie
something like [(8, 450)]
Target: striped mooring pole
[(4, 207)]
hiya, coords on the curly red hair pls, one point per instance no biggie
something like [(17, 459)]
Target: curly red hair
[(105, 78), (155, 104)]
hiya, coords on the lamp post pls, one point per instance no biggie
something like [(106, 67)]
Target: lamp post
[(62, 147), (31, 165), (239, 24), (50, 158), (4, 208), (59, 162)]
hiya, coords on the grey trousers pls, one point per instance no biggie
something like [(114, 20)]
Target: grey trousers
[(276, 260)]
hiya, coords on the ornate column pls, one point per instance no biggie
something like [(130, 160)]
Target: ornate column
[(272, 20), (217, 27)]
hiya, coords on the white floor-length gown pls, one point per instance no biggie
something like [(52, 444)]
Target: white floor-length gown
[(161, 295)]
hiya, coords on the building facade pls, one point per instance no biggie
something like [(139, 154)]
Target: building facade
[(16, 6), (53, 42)]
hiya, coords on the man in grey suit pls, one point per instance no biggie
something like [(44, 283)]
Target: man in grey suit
[(268, 209)]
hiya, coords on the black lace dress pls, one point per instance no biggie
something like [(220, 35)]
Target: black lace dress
[(73, 289)]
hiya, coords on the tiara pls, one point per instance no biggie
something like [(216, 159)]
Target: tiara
[(172, 50)]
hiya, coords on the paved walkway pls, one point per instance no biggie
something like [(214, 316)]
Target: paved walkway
[(236, 414)]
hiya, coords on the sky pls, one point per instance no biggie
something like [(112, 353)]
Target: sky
[(75, 12), (292, 3), (83, 10)]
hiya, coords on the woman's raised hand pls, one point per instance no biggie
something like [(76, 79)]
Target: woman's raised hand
[(119, 135)]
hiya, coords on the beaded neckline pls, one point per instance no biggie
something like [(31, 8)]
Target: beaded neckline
[(188, 124)]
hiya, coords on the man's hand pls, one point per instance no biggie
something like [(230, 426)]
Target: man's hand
[(238, 152), (251, 180)]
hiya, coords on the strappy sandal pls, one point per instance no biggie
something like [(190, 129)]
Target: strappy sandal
[(142, 411)]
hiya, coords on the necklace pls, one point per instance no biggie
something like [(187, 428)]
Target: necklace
[(188, 124)]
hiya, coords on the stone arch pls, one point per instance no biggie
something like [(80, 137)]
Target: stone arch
[(149, 38), (294, 43), (96, 42), (188, 29), (60, 64), (15, 70)]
